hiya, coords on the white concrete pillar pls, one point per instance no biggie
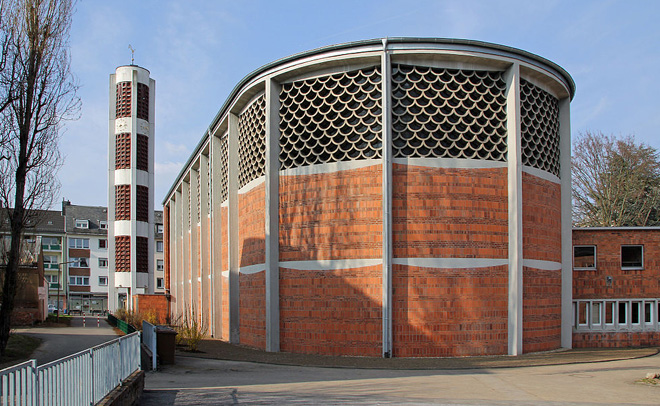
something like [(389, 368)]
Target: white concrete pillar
[(566, 223), (386, 86), (514, 160), (216, 234), (232, 232)]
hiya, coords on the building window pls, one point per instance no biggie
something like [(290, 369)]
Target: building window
[(50, 241), (79, 280), (159, 265), (159, 283), (159, 246), (103, 281), (52, 280), (82, 223), (584, 257), (79, 262), (50, 262), (103, 262), (632, 257), (159, 229), (79, 243), (103, 225), (103, 243)]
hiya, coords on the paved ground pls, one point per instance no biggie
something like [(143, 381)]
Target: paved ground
[(579, 380), (58, 342)]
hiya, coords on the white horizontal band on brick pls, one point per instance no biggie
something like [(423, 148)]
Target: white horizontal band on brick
[(454, 263), (122, 227), (225, 274), (125, 74), (142, 229), (330, 264), (251, 185), (123, 125), (330, 167), (252, 269), (453, 163), (142, 178), (543, 265), (541, 174), (225, 204), (122, 177)]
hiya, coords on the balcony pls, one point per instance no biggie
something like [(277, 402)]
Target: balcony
[(50, 266), (51, 247)]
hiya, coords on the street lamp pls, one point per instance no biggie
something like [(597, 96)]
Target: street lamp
[(59, 285)]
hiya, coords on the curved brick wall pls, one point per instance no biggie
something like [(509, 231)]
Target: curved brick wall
[(336, 171)]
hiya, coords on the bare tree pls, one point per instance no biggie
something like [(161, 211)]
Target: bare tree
[(616, 182), (41, 93)]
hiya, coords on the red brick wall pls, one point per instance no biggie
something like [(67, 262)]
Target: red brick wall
[(541, 241), (625, 284), (160, 304), (449, 312), (331, 215), (333, 312), (251, 227), (225, 280), (439, 212), (252, 309), (616, 339)]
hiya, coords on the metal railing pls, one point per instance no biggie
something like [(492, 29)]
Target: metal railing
[(616, 315), (84, 378), (150, 340)]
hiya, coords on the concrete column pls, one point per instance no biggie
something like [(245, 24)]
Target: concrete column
[(179, 252), (216, 234), (173, 253), (204, 261), (194, 242), (514, 159), (186, 269), (232, 232), (386, 83), (566, 223), (272, 205)]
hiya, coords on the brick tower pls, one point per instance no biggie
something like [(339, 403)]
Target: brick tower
[(130, 185)]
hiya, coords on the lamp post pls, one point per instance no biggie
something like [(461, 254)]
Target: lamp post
[(59, 285)]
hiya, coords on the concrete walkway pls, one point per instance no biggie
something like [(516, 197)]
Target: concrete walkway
[(58, 342), (199, 381)]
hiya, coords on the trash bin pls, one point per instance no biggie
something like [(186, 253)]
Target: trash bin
[(166, 344)]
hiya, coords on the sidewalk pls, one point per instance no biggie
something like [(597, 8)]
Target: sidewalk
[(58, 342), (216, 349)]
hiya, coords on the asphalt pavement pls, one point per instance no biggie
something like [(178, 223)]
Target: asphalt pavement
[(59, 342), (203, 381)]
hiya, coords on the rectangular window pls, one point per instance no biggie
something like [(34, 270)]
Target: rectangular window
[(648, 312), (79, 243), (159, 229), (82, 224), (159, 283), (79, 280), (584, 257), (159, 246), (595, 313), (103, 243), (50, 259), (160, 265), (103, 281), (103, 225), (609, 313), (635, 311), (79, 262), (50, 241), (623, 313), (583, 313), (632, 257), (103, 262)]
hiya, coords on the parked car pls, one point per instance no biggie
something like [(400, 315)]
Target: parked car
[(52, 308)]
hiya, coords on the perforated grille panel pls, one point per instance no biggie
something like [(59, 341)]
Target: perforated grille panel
[(123, 103), (122, 202), (252, 142), (208, 185), (143, 101), (331, 119), (199, 195), (142, 158), (123, 151), (448, 113), (123, 254), (141, 203), (539, 116), (224, 168), (142, 254)]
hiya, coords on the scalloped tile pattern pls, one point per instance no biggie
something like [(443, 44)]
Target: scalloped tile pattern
[(539, 116), (252, 142)]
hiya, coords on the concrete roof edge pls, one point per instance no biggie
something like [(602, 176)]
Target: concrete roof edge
[(354, 44)]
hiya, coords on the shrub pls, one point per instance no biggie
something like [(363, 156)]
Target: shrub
[(190, 328)]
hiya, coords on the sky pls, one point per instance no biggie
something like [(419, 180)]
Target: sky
[(198, 50)]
